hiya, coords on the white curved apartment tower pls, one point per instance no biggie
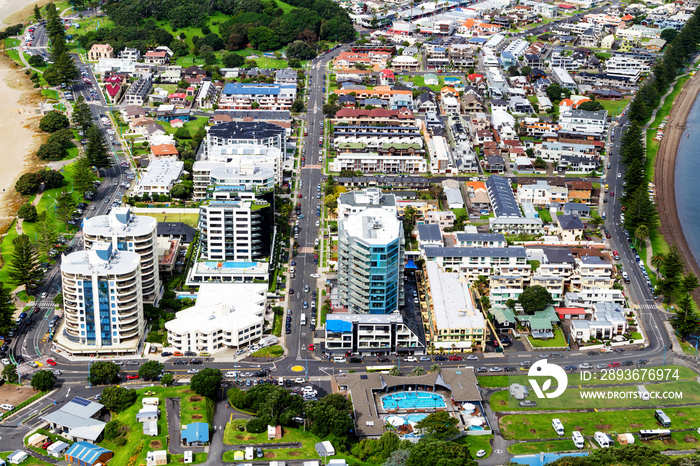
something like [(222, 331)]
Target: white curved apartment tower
[(129, 232), (102, 301)]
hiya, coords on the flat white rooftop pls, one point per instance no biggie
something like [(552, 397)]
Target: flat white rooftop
[(119, 222), (453, 306), (373, 225), (100, 259)]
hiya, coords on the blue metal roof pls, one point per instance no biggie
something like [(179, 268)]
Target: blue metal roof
[(258, 89), (196, 432), (86, 452)]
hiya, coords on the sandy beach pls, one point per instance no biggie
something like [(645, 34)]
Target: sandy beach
[(10, 10), (665, 172)]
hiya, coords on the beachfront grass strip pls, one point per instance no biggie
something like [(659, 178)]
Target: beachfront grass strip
[(547, 446), (496, 381), (476, 443), (559, 341), (534, 426), (572, 398), (135, 439), (162, 215), (6, 249)]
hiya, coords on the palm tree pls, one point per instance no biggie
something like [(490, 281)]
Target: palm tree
[(657, 260), (394, 371), (641, 232), (418, 371), (435, 368)]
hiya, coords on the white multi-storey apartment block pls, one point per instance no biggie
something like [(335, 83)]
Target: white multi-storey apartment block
[(473, 262), (237, 96), (129, 232), (102, 301)]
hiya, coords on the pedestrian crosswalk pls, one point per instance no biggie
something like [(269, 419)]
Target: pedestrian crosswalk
[(648, 307), (306, 250)]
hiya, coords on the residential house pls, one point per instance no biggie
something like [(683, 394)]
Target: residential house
[(196, 433), (99, 51), (570, 228), (87, 454), (156, 57)]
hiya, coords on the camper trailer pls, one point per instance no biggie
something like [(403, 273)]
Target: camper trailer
[(664, 420), (558, 427), (602, 439), (577, 438)]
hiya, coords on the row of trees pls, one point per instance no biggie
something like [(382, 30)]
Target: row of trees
[(62, 69)]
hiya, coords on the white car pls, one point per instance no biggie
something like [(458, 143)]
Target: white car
[(471, 357), (193, 371), (6, 362), (299, 380), (308, 388), (495, 369), (7, 407), (585, 365), (410, 359), (57, 373), (481, 453), (315, 275)]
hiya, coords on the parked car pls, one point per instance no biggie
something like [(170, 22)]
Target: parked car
[(527, 404), (131, 376), (455, 358)]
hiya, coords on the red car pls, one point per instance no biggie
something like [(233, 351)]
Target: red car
[(300, 195), (47, 444), (50, 362), (612, 193), (311, 346), (455, 358), (616, 255), (131, 376)]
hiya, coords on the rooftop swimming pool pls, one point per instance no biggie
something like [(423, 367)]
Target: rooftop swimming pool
[(230, 265), (412, 400), (544, 458)]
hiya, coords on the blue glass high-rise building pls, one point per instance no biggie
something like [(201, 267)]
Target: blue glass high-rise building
[(370, 261)]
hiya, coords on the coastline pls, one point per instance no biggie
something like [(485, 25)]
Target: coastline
[(664, 176), (19, 120)]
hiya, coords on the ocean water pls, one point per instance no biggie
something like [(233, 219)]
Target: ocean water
[(687, 186)]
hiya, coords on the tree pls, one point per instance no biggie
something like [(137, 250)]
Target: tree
[(53, 121), (263, 38), (673, 267), (689, 283), (435, 368), (397, 458), (9, 373), (657, 260), (103, 373), (51, 150), (7, 310), (417, 371), (641, 232), (151, 370), (232, 60), (96, 150), (115, 428), (27, 212), (183, 133), (43, 381), (591, 106), (298, 106), (65, 205), (46, 234), (525, 70), (301, 50), (62, 137), (82, 117), (83, 176), (513, 70), (117, 399), (555, 91), (37, 13), (24, 266), (668, 35), (50, 178), (36, 61), (534, 298), (168, 379), (28, 184), (330, 416), (440, 425), (686, 320), (395, 371), (293, 63), (440, 453), (206, 382)]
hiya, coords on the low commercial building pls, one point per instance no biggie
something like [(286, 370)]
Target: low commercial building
[(584, 121), (455, 323), (87, 454), (76, 420), (224, 316), (373, 334)]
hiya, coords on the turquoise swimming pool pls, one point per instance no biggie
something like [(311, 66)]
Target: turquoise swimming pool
[(411, 400), (230, 265), (544, 458)]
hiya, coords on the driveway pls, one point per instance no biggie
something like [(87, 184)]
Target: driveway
[(172, 408)]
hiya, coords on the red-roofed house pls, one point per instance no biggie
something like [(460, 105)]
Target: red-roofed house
[(160, 151), (177, 123), (351, 116), (566, 6), (387, 78), (178, 98), (156, 57), (114, 86), (577, 313)]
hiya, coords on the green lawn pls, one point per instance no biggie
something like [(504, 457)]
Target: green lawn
[(138, 445), (476, 443), (494, 381), (558, 341), (6, 248), (545, 215), (533, 426), (192, 126), (572, 398), (271, 351), (419, 81), (189, 219), (50, 93), (614, 106), (11, 42), (87, 25), (28, 462), (536, 447)]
